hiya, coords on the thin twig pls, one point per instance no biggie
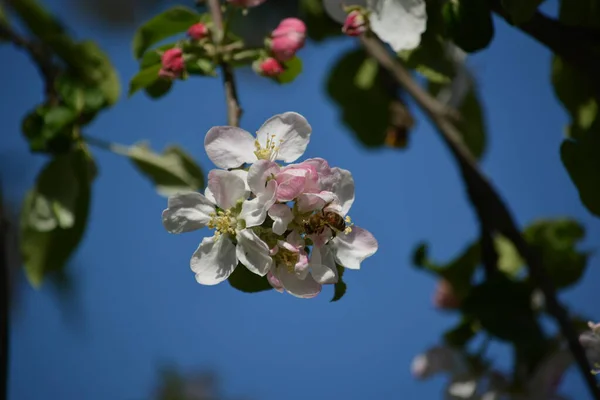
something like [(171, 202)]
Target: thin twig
[(234, 111), (41, 58), (486, 200), (4, 307)]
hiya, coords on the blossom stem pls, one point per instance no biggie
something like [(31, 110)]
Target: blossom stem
[(234, 111), (485, 199)]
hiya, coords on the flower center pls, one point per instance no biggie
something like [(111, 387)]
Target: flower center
[(269, 152), (287, 259), (223, 222), (349, 224)]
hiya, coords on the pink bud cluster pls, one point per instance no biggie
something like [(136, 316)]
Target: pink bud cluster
[(285, 41), (173, 64), (356, 23)]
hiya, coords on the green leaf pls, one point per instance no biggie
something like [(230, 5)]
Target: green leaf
[(556, 241), (48, 251), (159, 88), (509, 259), (430, 60), (244, 280), (57, 137), (581, 158), (171, 22), (143, 79), (366, 74), (37, 19), (3, 22), (364, 110), (461, 334), (339, 289), (521, 11), (292, 69), (71, 92), (58, 118), (503, 308), (203, 66), (472, 125), (97, 65), (469, 24), (171, 172)]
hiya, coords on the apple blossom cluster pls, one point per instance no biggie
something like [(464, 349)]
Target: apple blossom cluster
[(286, 222)]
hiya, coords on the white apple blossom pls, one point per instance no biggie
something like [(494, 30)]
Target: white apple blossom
[(221, 209), (282, 137)]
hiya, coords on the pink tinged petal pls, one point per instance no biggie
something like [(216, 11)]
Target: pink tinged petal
[(229, 147), (322, 265), (314, 201), (259, 173), (244, 177), (187, 212), (281, 215), (275, 282), (301, 268), (344, 189), (253, 252), (254, 211), (214, 260), (294, 239), (320, 240), (303, 288), (290, 188), (226, 187), (352, 248), (291, 133)]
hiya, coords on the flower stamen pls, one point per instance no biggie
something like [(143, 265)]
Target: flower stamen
[(270, 151), (349, 224), (222, 222)]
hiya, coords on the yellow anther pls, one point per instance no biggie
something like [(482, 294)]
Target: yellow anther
[(348, 224), (222, 222), (269, 152)]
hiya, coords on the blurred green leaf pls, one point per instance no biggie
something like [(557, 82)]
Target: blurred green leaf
[(200, 66), (339, 289), (469, 24), (502, 307), (97, 65), (143, 79), (37, 19), (3, 22), (581, 158), (159, 88), (244, 280), (430, 60), (171, 172), (293, 68), (364, 111), (47, 251), (556, 241), (521, 11), (509, 259), (366, 74), (171, 22), (58, 118), (71, 92), (472, 125), (461, 334)]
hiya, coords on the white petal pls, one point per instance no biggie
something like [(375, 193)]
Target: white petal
[(290, 131), (399, 23), (322, 265), (462, 388), (253, 252), (254, 211), (436, 360), (314, 201), (214, 260), (187, 212), (344, 189), (350, 249), (275, 282), (226, 187), (304, 288), (244, 176), (229, 147), (281, 215), (258, 174)]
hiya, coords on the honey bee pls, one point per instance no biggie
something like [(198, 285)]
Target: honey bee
[(316, 223)]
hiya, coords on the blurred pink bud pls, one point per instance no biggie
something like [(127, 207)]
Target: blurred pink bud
[(444, 297), (288, 38), (173, 64), (198, 31), (355, 24), (270, 67), (246, 3)]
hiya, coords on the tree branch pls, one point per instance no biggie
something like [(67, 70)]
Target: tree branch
[(41, 58), (234, 111), (487, 202)]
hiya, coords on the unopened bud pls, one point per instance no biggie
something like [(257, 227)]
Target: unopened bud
[(445, 297), (269, 67), (356, 23), (173, 64), (288, 38), (197, 31)]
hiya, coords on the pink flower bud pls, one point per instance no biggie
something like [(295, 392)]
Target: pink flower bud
[(270, 67), (173, 64), (288, 38), (444, 297), (355, 24), (246, 3), (198, 31)]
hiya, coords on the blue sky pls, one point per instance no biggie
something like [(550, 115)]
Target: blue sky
[(138, 304)]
